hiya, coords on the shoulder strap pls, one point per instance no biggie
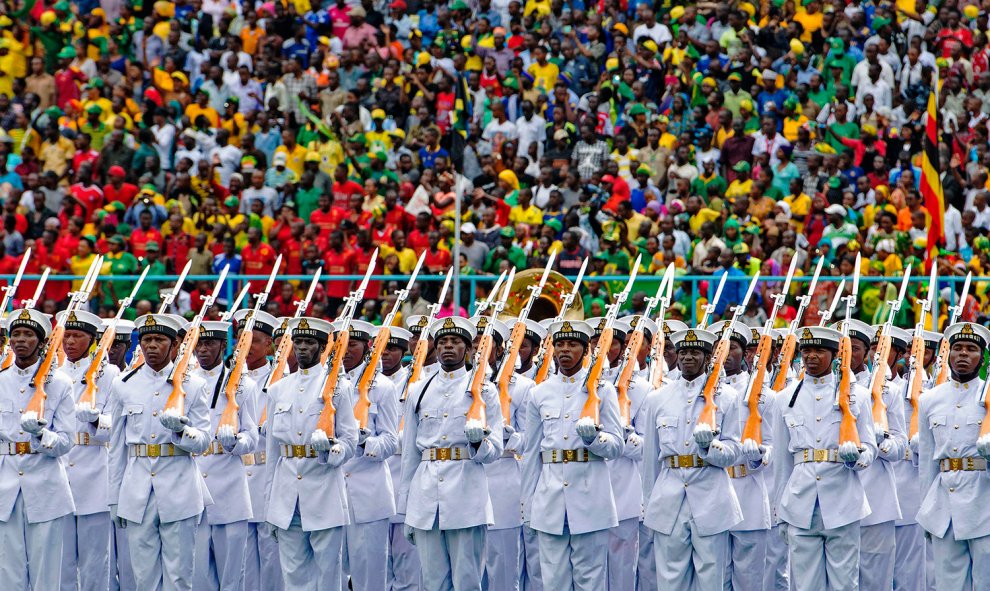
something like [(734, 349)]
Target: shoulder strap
[(425, 388), (795, 395), (131, 374), (218, 387)]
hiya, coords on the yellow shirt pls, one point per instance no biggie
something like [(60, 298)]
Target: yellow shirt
[(194, 110), (296, 158), (407, 257), (544, 77), (739, 189), (331, 155), (378, 140), (811, 24), (238, 133), (800, 206), (532, 215), (106, 107), (791, 126), (698, 219), (668, 140)]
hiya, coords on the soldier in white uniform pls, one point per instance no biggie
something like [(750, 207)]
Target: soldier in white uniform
[(417, 328), (444, 488), (370, 492), (86, 545), (748, 539), (527, 350), (261, 567), (567, 493), (775, 576), (862, 335), (223, 532), (819, 497), (403, 560), (121, 342), (911, 555), (307, 495), (953, 462), (156, 490), (877, 539), (504, 555), (34, 490), (690, 503)]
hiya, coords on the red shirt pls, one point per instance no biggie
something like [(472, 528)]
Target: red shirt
[(328, 221), (338, 263), (437, 262), (259, 260), (418, 241), (292, 255), (83, 157), (361, 259), (9, 264), (176, 248), (69, 244), (91, 197), (66, 87), (382, 237), (125, 194), (140, 239), (56, 258), (400, 219), (342, 192)]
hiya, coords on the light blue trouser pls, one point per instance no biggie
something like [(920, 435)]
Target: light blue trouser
[(311, 560), (623, 554), (121, 573), (747, 560), (824, 559), (220, 553), (30, 553), (909, 558), (161, 553), (262, 571), (366, 555), (403, 561), (961, 565), (455, 558), (532, 579), (876, 556), (574, 561), (503, 559), (776, 577), (687, 560), (85, 559), (646, 569)]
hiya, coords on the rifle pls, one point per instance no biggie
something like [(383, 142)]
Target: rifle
[(630, 356), (879, 379), (708, 411), (96, 366), (710, 306), (226, 316), (48, 366), (940, 372), (826, 315), (423, 344), (30, 303), (338, 348), (789, 347), (233, 385), (599, 358), (371, 369), (480, 307), (660, 338), (479, 374), (544, 356), (167, 300), (175, 404), (285, 345), (916, 363), (847, 426), (8, 294), (508, 367), (753, 429)]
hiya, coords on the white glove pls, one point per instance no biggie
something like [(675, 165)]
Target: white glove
[(884, 445), (319, 440), (879, 433), (983, 447), (753, 451), (507, 431), (587, 430), (363, 435), (336, 456), (32, 424), (87, 413), (118, 521), (913, 442), (409, 533), (474, 433), (703, 435), (634, 439), (48, 438), (227, 436), (782, 528), (174, 422), (848, 452)]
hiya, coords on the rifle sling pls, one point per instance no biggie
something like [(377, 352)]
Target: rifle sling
[(218, 387), (794, 396), (423, 393)]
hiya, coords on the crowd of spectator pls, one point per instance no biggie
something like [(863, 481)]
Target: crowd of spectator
[(720, 137)]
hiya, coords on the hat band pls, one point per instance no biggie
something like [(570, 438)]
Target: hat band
[(310, 332), (861, 336), (969, 338), (571, 336), (35, 326), (532, 335), (217, 335), (820, 343), (457, 332), (157, 329), (260, 327), (397, 342), (696, 344), (81, 326), (124, 338)]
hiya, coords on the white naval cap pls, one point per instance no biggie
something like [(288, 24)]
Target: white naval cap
[(453, 325), (34, 319), (356, 329), (316, 328), (122, 330), (857, 330), (649, 326), (397, 336), (417, 323), (163, 324), (263, 321), (672, 326), (819, 336), (694, 338), (620, 328), (535, 331), (81, 320), (214, 329), (968, 332), (739, 334), (499, 329), (899, 337), (571, 330)]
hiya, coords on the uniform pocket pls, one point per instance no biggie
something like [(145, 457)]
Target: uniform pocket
[(667, 428), (552, 425)]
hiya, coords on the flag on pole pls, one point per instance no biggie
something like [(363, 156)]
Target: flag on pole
[(931, 184)]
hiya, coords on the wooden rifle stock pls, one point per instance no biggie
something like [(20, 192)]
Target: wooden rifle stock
[(229, 415), (593, 404), (327, 419), (363, 404), (88, 396), (708, 411), (37, 402), (544, 370), (753, 429), (418, 360), (626, 375), (657, 346), (848, 433), (477, 410), (943, 363), (787, 351), (917, 379), (8, 357), (509, 368), (879, 380), (176, 400)]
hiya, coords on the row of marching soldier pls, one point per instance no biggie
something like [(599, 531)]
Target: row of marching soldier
[(614, 453)]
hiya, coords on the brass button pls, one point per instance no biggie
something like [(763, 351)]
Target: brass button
[(298, 432), (567, 416), (952, 489), (818, 477), (248, 473), (955, 449), (955, 426), (347, 474), (818, 439), (204, 474), (72, 464), (444, 437), (152, 473), (445, 415), (818, 397), (300, 411), (441, 479), (153, 436), (21, 410), (154, 414), (566, 483), (818, 419), (298, 476), (565, 437), (685, 485), (156, 393), (20, 473)]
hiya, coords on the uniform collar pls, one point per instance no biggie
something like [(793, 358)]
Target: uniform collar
[(970, 385), (311, 371), (357, 372), (577, 378), (28, 371), (74, 365), (451, 375), (259, 371), (828, 378), (212, 372), (697, 382)]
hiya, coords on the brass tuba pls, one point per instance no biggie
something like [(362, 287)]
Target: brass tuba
[(548, 305)]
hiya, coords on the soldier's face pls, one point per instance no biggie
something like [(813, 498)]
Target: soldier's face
[(209, 352), (307, 351), (24, 342), (568, 353), (525, 352), (76, 343), (859, 351), (965, 358), (355, 353), (118, 352), (930, 356), (750, 355), (818, 361), (692, 362), (156, 348), (261, 347), (669, 354), (733, 361), (392, 357), (451, 351)]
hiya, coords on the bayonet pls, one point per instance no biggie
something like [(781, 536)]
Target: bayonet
[(710, 306)]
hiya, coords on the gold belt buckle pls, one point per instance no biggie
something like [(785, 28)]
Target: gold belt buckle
[(821, 455), (955, 464), (442, 454), (260, 458), (570, 455), (298, 451), (154, 450), (84, 438), (685, 461), (22, 447)]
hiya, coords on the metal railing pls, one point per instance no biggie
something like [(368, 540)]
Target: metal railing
[(649, 283)]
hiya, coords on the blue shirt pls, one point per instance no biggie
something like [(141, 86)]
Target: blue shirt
[(733, 292), (429, 158), (229, 291)]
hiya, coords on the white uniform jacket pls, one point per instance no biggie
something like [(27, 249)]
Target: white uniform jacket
[(879, 480), (505, 473)]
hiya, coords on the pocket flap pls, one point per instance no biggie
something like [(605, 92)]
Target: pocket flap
[(936, 420), (133, 409), (283, 407), (6, 406), (974, 420), (551, 413), (668, 422), (429, 413), (794, 420)]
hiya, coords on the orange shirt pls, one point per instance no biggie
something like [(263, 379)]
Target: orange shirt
[(250, 38)]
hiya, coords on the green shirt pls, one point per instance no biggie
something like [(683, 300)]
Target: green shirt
[(150, 289), (306, 201), (841, 130), (124, 264)]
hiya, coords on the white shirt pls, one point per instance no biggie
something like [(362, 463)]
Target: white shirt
[(534, 130), (659, 33), (164, 138)]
